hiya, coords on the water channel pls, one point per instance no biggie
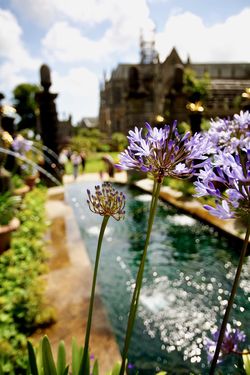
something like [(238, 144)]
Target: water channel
[(187, 278)]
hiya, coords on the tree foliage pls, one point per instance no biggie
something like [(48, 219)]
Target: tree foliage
[(195, 88), (25, 104)]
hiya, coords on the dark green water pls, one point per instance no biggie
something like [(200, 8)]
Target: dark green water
[(187, 278)]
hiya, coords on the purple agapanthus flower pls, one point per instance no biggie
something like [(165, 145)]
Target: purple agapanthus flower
[(107, 201), (230, 134), (21, 145), (226, 173), (232, 338), (226, 177), (162, 152)]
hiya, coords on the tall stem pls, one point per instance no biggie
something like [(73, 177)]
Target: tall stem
[(138, 284), (230, 301), (84, 362)]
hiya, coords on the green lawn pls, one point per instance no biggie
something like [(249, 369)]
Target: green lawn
[(94, 163)]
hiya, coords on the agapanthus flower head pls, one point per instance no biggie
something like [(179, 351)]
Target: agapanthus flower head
[(226, 177), (230, 134), (162, 152), (232, 338), (21, 145), (107, 201)]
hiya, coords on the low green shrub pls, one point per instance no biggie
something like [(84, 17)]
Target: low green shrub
[(21, 289), (8, 207)]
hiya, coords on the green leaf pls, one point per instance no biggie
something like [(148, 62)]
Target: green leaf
[(84, 369), (48, 361), (61, 358), (161, 373), (32, 359), (66, 370), (246, 361), (116, 369), (95, 370), (75, 357), (39, 358)]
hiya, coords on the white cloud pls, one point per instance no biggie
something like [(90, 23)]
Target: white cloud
[(90, 12), (41, 11), (67, 42), (73, 46), (10, 77), (78, 93), (222, 42), (16, 59), (11, 45)]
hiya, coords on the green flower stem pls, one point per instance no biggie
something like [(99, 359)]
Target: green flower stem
[(138, 284), (153, 195), (230, 302), (91, 304)]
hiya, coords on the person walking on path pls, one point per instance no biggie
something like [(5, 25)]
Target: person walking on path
[(76, 161), (63, 159), (83, 160)]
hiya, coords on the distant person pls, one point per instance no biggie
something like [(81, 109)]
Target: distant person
[(110, 165), (83, 160), (76, 161), (63, 159)]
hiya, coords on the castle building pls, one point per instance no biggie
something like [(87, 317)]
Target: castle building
[(153, 91)]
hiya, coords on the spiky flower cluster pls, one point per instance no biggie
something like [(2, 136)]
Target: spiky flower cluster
[(107, 201), (230, 134), (162, 152), (21, 145), (232, 338), (227, 178), (226, 173)]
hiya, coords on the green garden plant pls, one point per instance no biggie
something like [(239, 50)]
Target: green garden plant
[(41, 361), (8, 207), (21, 289)]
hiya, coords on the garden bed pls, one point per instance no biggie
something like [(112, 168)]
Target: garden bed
[(21, 288)]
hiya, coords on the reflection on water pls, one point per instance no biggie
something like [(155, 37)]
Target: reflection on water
[(188, 274)]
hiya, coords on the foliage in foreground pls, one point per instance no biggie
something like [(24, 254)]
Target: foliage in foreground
[(41, 361), (20, 289)]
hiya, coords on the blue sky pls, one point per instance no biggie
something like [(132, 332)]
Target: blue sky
[(79, 39)]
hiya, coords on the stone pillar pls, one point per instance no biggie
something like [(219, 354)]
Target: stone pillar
[(48, 122)]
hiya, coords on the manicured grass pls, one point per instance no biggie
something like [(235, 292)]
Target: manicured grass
[(94, 163)]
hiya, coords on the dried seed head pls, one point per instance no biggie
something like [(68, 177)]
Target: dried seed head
[(107, 201)]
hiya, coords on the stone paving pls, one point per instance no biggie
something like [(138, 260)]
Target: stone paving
[(69, 284)]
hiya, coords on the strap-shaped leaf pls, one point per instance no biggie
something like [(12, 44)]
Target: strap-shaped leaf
[(75, 357), (95, 370), (48, 361), (246, 361), (61, 358), (32, 359), (66, 370), (84, 367), (116, 369), (39, 358)]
